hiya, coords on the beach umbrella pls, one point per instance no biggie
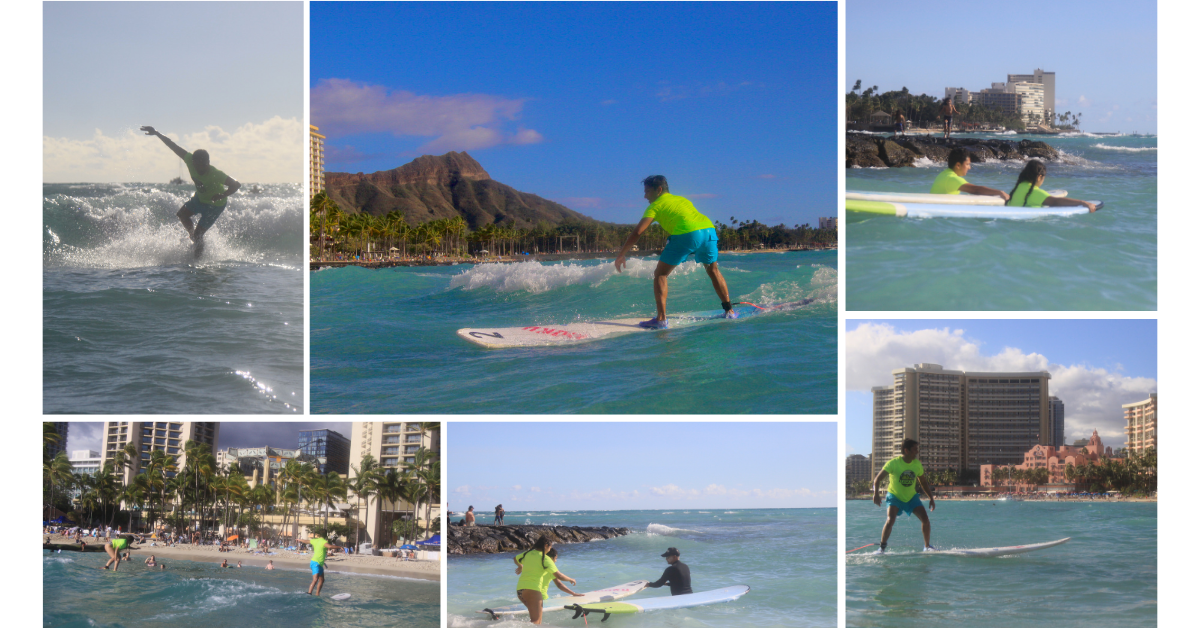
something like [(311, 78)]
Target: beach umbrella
[(433, 540), (409, 547)]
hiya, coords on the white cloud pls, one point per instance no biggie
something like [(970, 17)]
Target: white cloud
[(671, 490), (463, 490), (516, 487), (1084, 102), (534, 489), (269, 152)]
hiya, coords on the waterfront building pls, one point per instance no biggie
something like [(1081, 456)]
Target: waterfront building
[(331, 447), (1058, 415), (1054, 459), (1141, 424), (858, 467), (960, 95), (393, 445), (83, 462), (53, 449), (147, 436), (1031, 101), (316, 161), (827, 223), (1046, 80), (263, 464)]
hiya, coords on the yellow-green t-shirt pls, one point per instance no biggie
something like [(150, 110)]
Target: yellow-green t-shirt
[(318, 550), (208, 184), (677, 215), (903, 482), (120, 543), (1023, 197), (534, 576), (947, 182)]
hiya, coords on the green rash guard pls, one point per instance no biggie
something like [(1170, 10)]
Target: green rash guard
[(119, 544), (533, 576), (318, 550), (208, 184), (903, 477), (1023, 197), (677, 215), (947, 183)]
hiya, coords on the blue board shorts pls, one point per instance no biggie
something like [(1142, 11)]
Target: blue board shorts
[(317, 568), (905, 507), (701, 242), (208, 213)]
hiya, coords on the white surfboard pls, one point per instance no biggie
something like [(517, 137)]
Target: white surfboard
[(559, 603), (936, 199), (574, 333), (929, 210), (716, 596), (999, 551)]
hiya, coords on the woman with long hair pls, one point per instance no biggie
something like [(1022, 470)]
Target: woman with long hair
[(537, 569), (1028, 191)]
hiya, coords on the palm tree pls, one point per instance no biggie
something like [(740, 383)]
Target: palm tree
[(364, 485), (58, 472), (431, 477)]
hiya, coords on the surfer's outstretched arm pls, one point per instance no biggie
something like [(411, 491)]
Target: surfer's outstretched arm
[(632, 240), (166, 140)]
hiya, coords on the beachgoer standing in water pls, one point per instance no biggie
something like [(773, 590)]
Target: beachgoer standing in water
[(677, 574), (536, 568), (905, 472), (114, 548), (951, 181), (948, 112)]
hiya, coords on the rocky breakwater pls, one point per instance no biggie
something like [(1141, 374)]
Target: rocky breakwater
[(495, 539), (866, 151)]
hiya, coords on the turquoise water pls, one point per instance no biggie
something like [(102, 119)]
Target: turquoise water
[(133, 325), (1102, 261), (1105, 576), (384, 340), (788, 558), (202, 595)]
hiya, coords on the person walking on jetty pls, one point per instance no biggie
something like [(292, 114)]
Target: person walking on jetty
[(1029, 193), (498, 520), (469, 518), (320, 545), (898, 121), (691, 233), (952, 181), (213, 188), (947, 111)]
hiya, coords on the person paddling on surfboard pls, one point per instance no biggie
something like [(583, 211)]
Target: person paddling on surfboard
[(951, 181), (691, 233), (1028, 191), (213, 188), (319, 545), (905, 472), (677, 574)]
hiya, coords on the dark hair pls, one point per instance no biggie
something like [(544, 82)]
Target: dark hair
[(201, 153), (1029, 174), (656, 181), (553, 554), (543, 546), (957, 156), (908, 443)]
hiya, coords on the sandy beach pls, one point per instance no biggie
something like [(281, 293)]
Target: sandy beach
[(284, 559)]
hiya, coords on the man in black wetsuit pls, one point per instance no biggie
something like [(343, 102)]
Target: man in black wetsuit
[(677, 574)]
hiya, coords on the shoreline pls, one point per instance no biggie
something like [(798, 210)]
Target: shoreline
[(353, 564)]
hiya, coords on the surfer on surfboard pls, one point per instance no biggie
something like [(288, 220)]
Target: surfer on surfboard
[(319, 545), (691, 233), (213, 188), (905, 472)]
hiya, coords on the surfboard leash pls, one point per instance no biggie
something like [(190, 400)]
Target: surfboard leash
[(750, 304), (863, 547)]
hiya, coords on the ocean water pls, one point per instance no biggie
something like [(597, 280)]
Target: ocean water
[(788, 558), (133, 324), (188, 594), (384, 340), (1102, 261), (1105, 576)]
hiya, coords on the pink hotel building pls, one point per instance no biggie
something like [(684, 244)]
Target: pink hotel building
[(1054, 459)]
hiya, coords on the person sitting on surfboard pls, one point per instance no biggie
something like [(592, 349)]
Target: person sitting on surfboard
[(677, 574), (690, 233), (319, 545), (951, 181), (213, 188), (905, 472)]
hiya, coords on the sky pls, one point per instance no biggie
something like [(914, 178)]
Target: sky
[(1095, 366), (85, 435), (224, 76), (634, 465), (578, 102), (1104, 54)]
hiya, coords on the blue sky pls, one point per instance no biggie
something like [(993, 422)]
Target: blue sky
[(632, 466), (1103, 53), (578, 102), (1095, 365), (225, 76)]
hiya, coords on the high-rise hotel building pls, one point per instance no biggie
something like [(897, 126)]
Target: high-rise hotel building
[(148, 436), (962, 419), (1141, 424), (393, 445), (316, 161)]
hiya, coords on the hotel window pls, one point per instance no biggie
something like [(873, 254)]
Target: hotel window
[(391, 429), (391, 440), (391, 451)]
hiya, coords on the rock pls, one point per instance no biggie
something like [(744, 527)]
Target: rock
[(868, 152), (487, 539)]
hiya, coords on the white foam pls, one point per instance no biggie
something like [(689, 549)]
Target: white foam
[(1128, 149), (535, 278), (656, 529)]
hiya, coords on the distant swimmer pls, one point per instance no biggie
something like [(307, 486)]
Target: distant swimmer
[(1029, 193), (677, 574), (270, 564), (905, 472), (150, 561), (320, 546), (691, 233), (537, 569), (947, 111), (225, 563), (213, 188), (951, 181)]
